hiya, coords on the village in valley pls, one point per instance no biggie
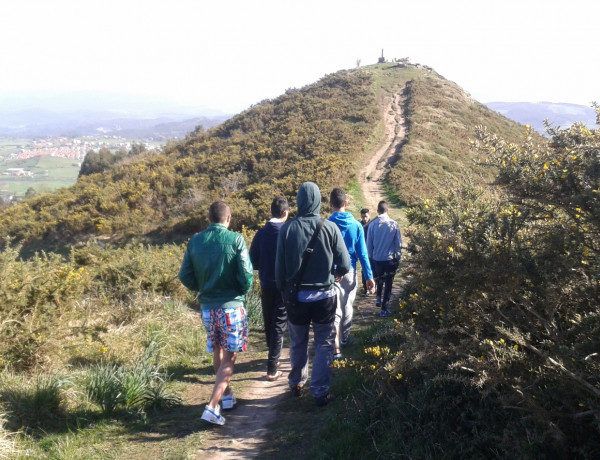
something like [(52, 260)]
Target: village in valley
[(44, 164)]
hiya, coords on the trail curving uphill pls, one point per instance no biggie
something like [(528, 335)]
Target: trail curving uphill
[(372, 174), (243, 436)]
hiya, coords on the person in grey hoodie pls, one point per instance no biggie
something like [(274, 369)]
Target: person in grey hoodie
[(384, 243), (316, 298)]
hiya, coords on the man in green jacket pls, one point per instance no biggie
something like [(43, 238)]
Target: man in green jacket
[(316, 298), (217, 266)]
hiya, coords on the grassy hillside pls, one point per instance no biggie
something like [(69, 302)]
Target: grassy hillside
[(441, 118), (319, 133), (79, 327)]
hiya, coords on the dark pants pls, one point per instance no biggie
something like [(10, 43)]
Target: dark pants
[(363, 279), (275, 319), (384, 271)]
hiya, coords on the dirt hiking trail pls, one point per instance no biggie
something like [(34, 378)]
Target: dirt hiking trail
[(243, 435), (371, 175)]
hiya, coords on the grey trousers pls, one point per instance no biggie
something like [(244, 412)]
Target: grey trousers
[(324, 337)]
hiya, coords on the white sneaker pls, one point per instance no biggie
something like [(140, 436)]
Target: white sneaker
[(228, 401), (214, 416)]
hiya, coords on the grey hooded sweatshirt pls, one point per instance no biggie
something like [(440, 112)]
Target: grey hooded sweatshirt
[(330, 257)]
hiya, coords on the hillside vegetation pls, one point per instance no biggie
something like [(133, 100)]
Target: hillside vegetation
[(318, 133), (494, 350), (95, 325), (315, 133), (440, 123)]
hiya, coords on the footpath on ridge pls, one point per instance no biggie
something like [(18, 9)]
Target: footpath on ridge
[(371, 175), (243, 436)]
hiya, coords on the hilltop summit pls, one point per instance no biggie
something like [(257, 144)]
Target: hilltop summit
[(321, 132)]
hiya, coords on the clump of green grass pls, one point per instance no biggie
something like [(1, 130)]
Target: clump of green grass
[(140, 387), (35, 403), (253, 308)]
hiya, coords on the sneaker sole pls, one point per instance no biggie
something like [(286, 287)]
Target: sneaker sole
[(228, 404), (272, 378), (213, 419)]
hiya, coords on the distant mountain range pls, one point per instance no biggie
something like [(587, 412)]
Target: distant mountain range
[(534, 113), (83, 113), (32, 115)]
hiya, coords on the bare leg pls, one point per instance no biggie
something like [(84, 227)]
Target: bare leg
[(223, 362)]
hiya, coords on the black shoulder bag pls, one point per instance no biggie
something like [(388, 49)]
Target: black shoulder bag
[(290, 293)]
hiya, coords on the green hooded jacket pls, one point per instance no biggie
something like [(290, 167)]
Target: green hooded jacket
[(330, 257), (217, 266)]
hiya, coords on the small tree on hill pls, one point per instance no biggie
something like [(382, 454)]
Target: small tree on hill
[(96, 162)]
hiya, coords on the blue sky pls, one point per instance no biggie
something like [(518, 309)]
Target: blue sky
[(229, 54)]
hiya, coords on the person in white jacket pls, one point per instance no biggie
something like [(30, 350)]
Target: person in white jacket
[(384, 243)]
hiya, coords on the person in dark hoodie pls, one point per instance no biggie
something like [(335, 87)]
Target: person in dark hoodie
[(316, 298), (353, 234), (262, 255)]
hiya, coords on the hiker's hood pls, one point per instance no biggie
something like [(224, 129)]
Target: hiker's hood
[(308, 200), (343, 220)]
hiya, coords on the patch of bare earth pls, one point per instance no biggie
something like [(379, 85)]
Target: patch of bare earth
[(244, 433)]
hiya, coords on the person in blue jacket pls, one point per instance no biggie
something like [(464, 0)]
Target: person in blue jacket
[(353, 234)]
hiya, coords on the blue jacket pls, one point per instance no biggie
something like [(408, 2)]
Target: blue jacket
[(383, 239), (262, 253), (353, 234)]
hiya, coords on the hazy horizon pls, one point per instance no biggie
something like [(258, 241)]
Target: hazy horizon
[(230, 55)]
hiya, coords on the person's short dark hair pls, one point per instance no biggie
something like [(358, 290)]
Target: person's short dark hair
[(218, 212), (337, 198), (382, 207), (278, 206), (364, 211)]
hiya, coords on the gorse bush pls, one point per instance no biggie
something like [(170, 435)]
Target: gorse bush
[(501, 304), (319, 133), (270, 149), (440, 117), (37, 293)]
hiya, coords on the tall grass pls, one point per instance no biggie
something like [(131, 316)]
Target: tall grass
[(139, 387), (8, 447), (253, 307), (33, 403)]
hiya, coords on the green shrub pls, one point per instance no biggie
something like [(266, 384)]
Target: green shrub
[(35, 403), (104, 387), (253, 307), (93, 286), (494, 350), (139, 387)]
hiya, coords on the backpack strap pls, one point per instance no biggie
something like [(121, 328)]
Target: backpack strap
[(307, 253)]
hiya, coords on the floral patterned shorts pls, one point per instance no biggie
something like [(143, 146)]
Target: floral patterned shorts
[(226, 328)]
